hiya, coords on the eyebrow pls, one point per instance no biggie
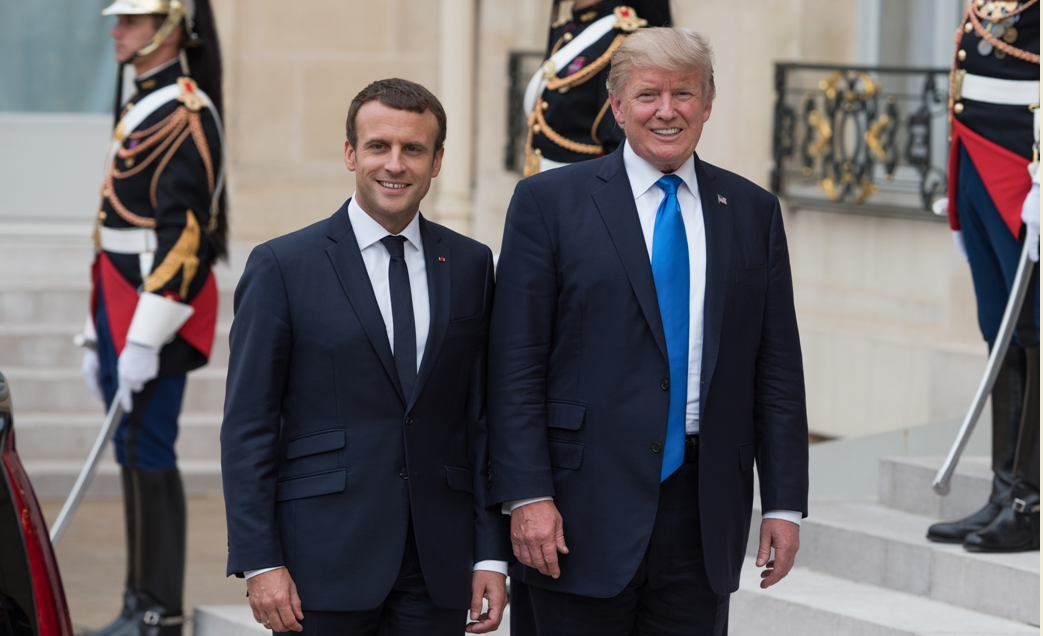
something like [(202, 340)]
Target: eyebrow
[(379, 140)]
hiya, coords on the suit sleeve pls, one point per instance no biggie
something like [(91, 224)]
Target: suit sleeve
[(492, 541), (520, 339), (780, 409), (260, 348)]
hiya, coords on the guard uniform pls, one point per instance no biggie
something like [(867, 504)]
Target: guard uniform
[(569, 116), (158, 232), (993, 163)]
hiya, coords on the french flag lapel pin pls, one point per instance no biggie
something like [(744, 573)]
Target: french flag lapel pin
[(722, 200)]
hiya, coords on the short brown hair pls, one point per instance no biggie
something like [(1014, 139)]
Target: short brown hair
[(399, 94)]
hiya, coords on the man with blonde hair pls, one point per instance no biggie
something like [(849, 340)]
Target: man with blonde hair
[(643, 357)]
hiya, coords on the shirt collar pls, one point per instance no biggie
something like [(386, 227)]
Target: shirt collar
[(367, 231), (644, 175), (158, 69)]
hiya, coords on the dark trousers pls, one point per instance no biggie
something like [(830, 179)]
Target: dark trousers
[(993, 253), (669, 595), (408, 610)]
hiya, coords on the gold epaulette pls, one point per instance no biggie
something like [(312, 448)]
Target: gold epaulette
[(627, 20)]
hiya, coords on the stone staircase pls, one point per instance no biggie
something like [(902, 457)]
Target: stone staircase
[(44, 290), (864, 567)]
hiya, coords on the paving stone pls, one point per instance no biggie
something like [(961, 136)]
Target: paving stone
[(905, 484)]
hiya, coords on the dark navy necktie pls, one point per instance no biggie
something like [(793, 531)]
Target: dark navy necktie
[(402, 313), (671, 274)]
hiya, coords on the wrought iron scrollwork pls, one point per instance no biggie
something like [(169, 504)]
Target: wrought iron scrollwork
[(866, 138)]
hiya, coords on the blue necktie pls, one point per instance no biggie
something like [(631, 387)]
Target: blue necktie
[(670, 272), (402, 313)]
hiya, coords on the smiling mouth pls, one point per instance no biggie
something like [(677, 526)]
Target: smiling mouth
[(392, 186), (665, 132)]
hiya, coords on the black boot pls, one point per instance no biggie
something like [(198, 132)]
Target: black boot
[(158, 574), (1016, 529), (130, 600), (1008, 395)]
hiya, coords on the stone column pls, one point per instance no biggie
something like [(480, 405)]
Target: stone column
[(456, 91)]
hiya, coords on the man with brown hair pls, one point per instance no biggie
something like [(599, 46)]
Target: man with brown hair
[(354, 444)]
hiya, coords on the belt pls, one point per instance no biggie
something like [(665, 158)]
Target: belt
[(993, 90), (691, 448), (134, 240)]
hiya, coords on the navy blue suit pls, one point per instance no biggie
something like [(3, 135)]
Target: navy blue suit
[(324, 460), (578, 371)]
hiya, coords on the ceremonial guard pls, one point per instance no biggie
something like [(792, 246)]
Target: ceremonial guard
[(154, 303), (993, 208), (566, 100)]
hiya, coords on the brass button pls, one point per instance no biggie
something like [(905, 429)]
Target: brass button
[(957, 108), (544, 105), (535, 129), (567, 37), (967, 28), (665, 384), (657, 447), (961, 55)]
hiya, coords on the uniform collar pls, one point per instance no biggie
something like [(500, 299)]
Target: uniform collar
[(367, 231), (644, 175), (158, 77)]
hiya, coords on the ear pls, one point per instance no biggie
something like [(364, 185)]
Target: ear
[(438, 162), (706, 112), (617, 109), (349, 156)]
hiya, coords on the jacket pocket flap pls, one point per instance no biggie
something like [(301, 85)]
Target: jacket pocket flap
[(459, 479), (746, 453), (755, 274), (315, 443), (312, 485), (566, 415), (566, 454)]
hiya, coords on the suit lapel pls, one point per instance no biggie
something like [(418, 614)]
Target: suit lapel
[(718, 226), (615, 201), (438, 288), (351, 271)]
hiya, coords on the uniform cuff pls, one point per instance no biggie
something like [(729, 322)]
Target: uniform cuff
[(156, 320)]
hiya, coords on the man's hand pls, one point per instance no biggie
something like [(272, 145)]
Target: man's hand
[(493, 587), (784, 536), (538, 536), (274, 601)]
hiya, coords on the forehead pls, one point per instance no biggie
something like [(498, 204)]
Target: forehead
[(656, 77), (375, 119)]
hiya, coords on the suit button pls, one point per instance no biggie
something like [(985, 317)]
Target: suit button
[(409, 420), (404, 474), (656, 447), (665, 384)]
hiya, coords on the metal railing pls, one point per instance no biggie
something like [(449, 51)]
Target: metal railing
[(860, 138)]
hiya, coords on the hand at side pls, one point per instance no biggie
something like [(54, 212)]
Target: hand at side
[(273, 599), (537, 535), (491, 586), (784, 537)]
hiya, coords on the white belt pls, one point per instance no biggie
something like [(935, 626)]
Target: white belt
[(547, 164), (136, 240), (993, 90)]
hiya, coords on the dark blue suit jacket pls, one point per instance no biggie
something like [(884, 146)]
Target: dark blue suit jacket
[(578, 396), (323, 458)]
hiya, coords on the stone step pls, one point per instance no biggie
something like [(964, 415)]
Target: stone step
[(54, 479), (63, 391), (52, 346), (905, 484), (61, 436), (31, 302), (238, 620), (866, 542), (808, 602)]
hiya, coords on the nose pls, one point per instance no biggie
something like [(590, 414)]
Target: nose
[(394, 160), (665, 107)]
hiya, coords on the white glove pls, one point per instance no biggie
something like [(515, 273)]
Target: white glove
[(957, 240), (137, 365), (1030, 217), (91, 370)]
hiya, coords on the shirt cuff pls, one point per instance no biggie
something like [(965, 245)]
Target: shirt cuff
[(510, 506), (500, 567), (788, 515), (249, 574)]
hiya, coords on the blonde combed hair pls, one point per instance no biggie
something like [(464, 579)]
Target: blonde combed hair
[(669, 48)]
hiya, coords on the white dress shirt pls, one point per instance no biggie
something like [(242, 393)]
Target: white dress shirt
[(647, 197), (368, 233)]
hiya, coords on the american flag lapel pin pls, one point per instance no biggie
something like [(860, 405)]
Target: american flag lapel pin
[(722, 200), (441, 259)]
